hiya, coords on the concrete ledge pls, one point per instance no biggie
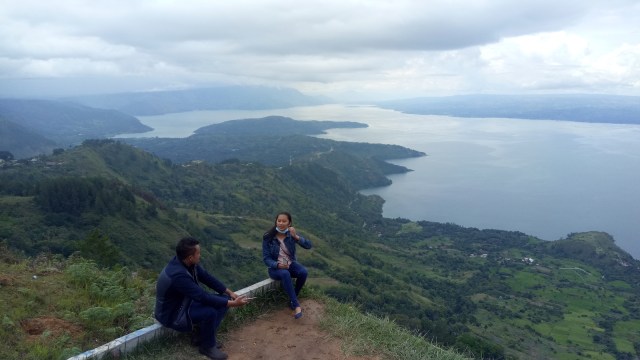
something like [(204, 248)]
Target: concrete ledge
[(127, 343), (258, 288)]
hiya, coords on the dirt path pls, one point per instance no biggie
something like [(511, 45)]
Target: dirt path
[(277, 335)]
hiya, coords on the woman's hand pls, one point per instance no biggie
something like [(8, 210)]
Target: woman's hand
[(292, 231)]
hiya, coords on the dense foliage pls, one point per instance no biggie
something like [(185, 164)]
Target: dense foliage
[(281, 141), (52, 307)]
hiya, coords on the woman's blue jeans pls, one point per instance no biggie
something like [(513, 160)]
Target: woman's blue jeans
[(296, 271)]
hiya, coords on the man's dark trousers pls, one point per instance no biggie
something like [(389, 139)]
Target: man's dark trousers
[(208, 319)]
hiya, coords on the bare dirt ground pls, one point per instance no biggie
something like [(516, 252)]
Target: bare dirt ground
[(56, 327), (277, 335)]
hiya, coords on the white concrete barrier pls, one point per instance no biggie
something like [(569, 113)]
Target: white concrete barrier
[(127, 343)]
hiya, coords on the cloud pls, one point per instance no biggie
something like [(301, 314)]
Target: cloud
[(374, 48)]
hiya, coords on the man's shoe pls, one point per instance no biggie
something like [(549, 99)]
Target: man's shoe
[(213, 353), (195, 340), (195, 337)]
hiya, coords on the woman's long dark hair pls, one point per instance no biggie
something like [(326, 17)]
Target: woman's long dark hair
[(272, 232)]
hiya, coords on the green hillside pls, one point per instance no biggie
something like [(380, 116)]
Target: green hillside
[(279, 141), (33, 127), (498, 294), (22, 142)]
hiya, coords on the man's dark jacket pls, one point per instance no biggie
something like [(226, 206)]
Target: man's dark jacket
[(178, 286)]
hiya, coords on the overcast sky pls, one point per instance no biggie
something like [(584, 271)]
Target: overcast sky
[(339, 48)]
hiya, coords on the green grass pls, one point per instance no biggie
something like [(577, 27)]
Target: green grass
[(573, 329), (626, 334), (410, 227), (523, 280), (52, 308), (364, 334), (579, 300)]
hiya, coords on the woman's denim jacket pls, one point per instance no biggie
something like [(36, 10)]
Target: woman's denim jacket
[(271, 248)]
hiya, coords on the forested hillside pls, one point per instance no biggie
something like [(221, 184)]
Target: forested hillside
[(498, 294), (279, 141), (33, 127), (22, 142)]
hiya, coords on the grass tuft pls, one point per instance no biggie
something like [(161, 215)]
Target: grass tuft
[(365, 334)]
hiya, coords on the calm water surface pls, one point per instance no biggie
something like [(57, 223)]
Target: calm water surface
[(544, 178)]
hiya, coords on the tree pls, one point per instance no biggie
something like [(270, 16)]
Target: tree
[(480, 348), (6, 156), (99, 247)]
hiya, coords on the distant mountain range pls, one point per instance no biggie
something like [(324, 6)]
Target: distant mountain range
[(22, 142), (575, 107), (30, 127), (217, 98)]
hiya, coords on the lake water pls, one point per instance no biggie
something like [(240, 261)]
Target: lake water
[(544, 178)]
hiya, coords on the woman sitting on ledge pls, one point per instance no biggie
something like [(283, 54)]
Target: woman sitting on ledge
[(279, 254)]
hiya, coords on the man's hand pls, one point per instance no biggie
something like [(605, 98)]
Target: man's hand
[(241, 300), (231, 294)]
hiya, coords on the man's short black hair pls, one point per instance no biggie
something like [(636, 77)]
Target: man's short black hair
[(186, 247)]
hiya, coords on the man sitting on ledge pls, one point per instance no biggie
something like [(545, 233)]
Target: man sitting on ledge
[(182, 303)]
